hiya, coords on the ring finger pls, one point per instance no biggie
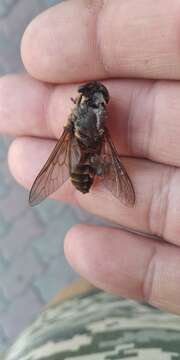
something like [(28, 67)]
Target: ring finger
[(157, 208)]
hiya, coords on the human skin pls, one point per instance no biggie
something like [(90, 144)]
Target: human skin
[(134, 47)]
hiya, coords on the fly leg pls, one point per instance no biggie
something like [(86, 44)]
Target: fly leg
[(77, 100)]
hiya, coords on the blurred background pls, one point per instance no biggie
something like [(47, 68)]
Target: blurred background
[(32, 264)]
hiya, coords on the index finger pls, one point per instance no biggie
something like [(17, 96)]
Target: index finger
[(80, 40)]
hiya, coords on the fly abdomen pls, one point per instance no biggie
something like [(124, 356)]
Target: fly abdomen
[(82, 177)]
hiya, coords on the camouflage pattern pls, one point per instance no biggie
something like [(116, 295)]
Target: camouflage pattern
[(99, 326)]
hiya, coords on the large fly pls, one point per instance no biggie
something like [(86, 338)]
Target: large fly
[(85, 150)]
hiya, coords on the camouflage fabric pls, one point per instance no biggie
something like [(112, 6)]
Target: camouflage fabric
[(99, 326)]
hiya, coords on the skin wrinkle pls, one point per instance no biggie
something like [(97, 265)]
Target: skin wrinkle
[(136, 98), (161, 294), (154, 210), (46, 107), (94, 8), (130, 119), (56, 128), (177, 28), (172, 172), (98, 38), (149, 212), (149, 277), (153, 91), (159, 209)]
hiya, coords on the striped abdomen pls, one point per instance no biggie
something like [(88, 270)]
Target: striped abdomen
[(82, 177)]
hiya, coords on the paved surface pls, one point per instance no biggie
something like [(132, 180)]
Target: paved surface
[(32, 263)]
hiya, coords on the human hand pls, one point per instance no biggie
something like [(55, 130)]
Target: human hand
[(78, 41)]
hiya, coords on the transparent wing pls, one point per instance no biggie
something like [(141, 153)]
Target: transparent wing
[(115, 176), (56, 170)]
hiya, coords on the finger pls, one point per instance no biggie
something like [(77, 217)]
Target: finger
[(34, 153), (80, 40), (143, 115), (24, 106), (157, 207), (126, 264)]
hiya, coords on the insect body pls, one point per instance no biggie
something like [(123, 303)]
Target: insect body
[(84, 151)]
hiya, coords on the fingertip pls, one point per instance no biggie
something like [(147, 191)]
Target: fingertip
[(75, 249), (85, 248), (26, 157), (16, 163), (30, 52), (62, 53), (13, 155), (109, 258), (74, 237), (23, 105)]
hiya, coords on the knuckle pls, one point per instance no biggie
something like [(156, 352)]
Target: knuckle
[(161, 278), (160, 202), (149, 278)]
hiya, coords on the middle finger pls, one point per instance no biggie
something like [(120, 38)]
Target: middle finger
[(143, 115)]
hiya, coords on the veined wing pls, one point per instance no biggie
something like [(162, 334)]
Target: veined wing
[(56, 169), (115, 176)]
